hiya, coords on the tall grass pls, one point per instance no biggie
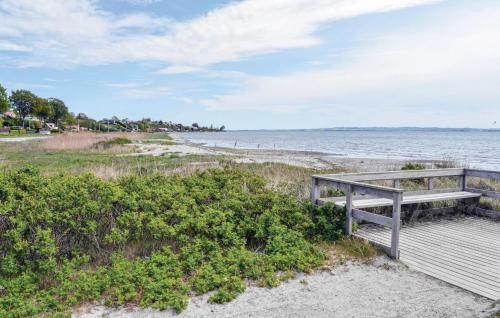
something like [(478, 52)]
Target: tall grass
[(83, 140)]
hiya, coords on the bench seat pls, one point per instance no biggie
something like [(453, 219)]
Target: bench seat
[(360, 202)]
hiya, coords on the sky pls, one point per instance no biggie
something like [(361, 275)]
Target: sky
[(260, 64)]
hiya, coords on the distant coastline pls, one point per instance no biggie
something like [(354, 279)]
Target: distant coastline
[(464, 129)]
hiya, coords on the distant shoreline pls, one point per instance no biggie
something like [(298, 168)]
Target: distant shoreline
[(374, 129)]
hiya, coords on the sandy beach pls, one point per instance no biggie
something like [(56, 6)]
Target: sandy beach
[(383, 288), (316, 160)]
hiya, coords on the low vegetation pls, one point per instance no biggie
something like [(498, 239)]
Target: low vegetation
[(152, 241), (413, 166), (87, 141)]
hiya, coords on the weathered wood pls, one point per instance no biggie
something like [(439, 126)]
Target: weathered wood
[(462, 182), (372, 217), (348, 211), (396, 184), (361, 203), (390, 175), (486, 193), (430, 183), (463, 252), (396, 219), (358, 187), (495, 175), (314, 190), (422, 192)]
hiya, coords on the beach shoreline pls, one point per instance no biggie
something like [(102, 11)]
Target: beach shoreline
[(306, 159)]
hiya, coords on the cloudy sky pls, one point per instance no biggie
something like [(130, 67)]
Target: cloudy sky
[(256, 64)]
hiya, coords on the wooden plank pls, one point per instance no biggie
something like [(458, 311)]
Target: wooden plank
[(358, 187), (348, 211), (429, 233), (459, 231), (389, 175), (408, 199), (486, 193), (446, 276), (422, 192), (464, 261), (314, 190), (396, 219), (396, 184), (476, 249), (372, 217), (434, 243), (495, 175), (430, 183), (456, 251)]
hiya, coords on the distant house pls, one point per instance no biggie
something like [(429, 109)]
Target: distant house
[(51, 126), (72, 127), (163, 129), (31, 118), (9, 114)]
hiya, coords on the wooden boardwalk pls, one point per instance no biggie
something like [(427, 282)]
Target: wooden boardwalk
[(464, 252)]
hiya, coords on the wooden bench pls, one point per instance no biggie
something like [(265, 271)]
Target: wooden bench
[(362, 195)]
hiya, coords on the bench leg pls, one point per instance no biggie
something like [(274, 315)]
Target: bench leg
[(348, 211), (396, 223)]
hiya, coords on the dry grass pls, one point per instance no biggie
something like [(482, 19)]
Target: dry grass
[(83, 140), (348, 249), (183, 167)]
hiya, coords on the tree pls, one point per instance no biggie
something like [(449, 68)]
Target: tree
[(222, 128), (82, 116), (22, 102), (195, 125), (59, 109), (42, 109), (69, 119), (4, 100)]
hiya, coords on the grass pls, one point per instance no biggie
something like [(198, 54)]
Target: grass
[(86, 140), (107, 155)]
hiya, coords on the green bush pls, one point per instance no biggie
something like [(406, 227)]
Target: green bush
[(69, 239), (18, 131), (413, 166), (113, 142)]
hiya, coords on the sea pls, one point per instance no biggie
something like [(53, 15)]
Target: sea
[(475, 148)]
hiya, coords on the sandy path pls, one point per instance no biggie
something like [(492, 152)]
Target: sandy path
[(383, 289), (22, 139)]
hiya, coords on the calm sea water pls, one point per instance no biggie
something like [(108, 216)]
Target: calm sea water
[(475, 148)]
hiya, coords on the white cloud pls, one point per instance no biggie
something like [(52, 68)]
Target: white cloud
[(179, 69), (9, 46), (77, 32), (141, 2), (139, 91), (433, 68)]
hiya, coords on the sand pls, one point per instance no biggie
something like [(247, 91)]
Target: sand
[(316, 160), (384, 288)]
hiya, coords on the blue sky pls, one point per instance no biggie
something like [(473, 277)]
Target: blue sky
[(256, 64)]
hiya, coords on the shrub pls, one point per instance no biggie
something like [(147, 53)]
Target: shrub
[(113, 142), (68, 239), (413, 166)]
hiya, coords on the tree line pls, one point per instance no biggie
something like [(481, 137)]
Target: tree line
[(25, 104)]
